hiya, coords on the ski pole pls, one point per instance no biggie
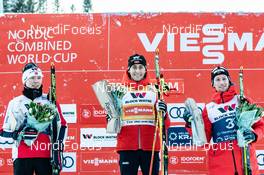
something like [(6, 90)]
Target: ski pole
[(245, 149), (160, 123), (55, 159)]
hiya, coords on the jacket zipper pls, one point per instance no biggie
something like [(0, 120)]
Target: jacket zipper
[(222, 99), (139, 141)]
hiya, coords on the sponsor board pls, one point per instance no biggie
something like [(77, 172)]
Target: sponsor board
[(176, 110), (178, 136), (69, 112), (260, 159), (92, 114), (96, 137), (69, 162), (99, 162), (187, 160)]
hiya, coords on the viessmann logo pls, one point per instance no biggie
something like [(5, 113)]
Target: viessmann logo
[(213, 39), (100, 161), (226, 108)]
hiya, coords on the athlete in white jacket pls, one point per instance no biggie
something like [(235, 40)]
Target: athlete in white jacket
[(36, 156)]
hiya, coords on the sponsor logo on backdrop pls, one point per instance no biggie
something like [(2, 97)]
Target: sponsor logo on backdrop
[(212, 35), (99, 161), (70, 138), (69, 162), (192, 159), (92, 114), (99, 113), (69, 112), (97, 137), (260, 159), (86, 113), (176, 110), (174, 160), (183, 160), (187, 160), (94, 161), (178, 136)]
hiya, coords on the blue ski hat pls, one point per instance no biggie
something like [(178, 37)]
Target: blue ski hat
[(218, 71)]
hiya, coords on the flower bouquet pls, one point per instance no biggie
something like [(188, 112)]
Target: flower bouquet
[(40, 116), (248, 114)]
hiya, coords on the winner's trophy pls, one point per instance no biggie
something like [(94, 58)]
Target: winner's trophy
[(198, 133)]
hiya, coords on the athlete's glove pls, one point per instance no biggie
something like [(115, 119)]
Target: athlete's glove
[(108, 117), (161, 106), (187, 117), (249, 136)]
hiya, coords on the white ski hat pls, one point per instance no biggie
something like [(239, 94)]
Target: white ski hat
[(30, 70)]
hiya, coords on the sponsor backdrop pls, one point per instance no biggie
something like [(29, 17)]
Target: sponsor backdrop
[(88, 48)]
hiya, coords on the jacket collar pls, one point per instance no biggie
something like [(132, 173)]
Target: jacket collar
[(222, 97)]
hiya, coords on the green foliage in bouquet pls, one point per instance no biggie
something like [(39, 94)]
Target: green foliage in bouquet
[(248, 114), (118, 93), (42, 113), (246, 106)]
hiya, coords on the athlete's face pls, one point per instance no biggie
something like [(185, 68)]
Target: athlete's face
[(34, 82), (221, 83), (137, 72)]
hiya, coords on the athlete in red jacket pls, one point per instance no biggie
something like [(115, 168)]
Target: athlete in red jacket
[(139, 109), (225, 155)]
